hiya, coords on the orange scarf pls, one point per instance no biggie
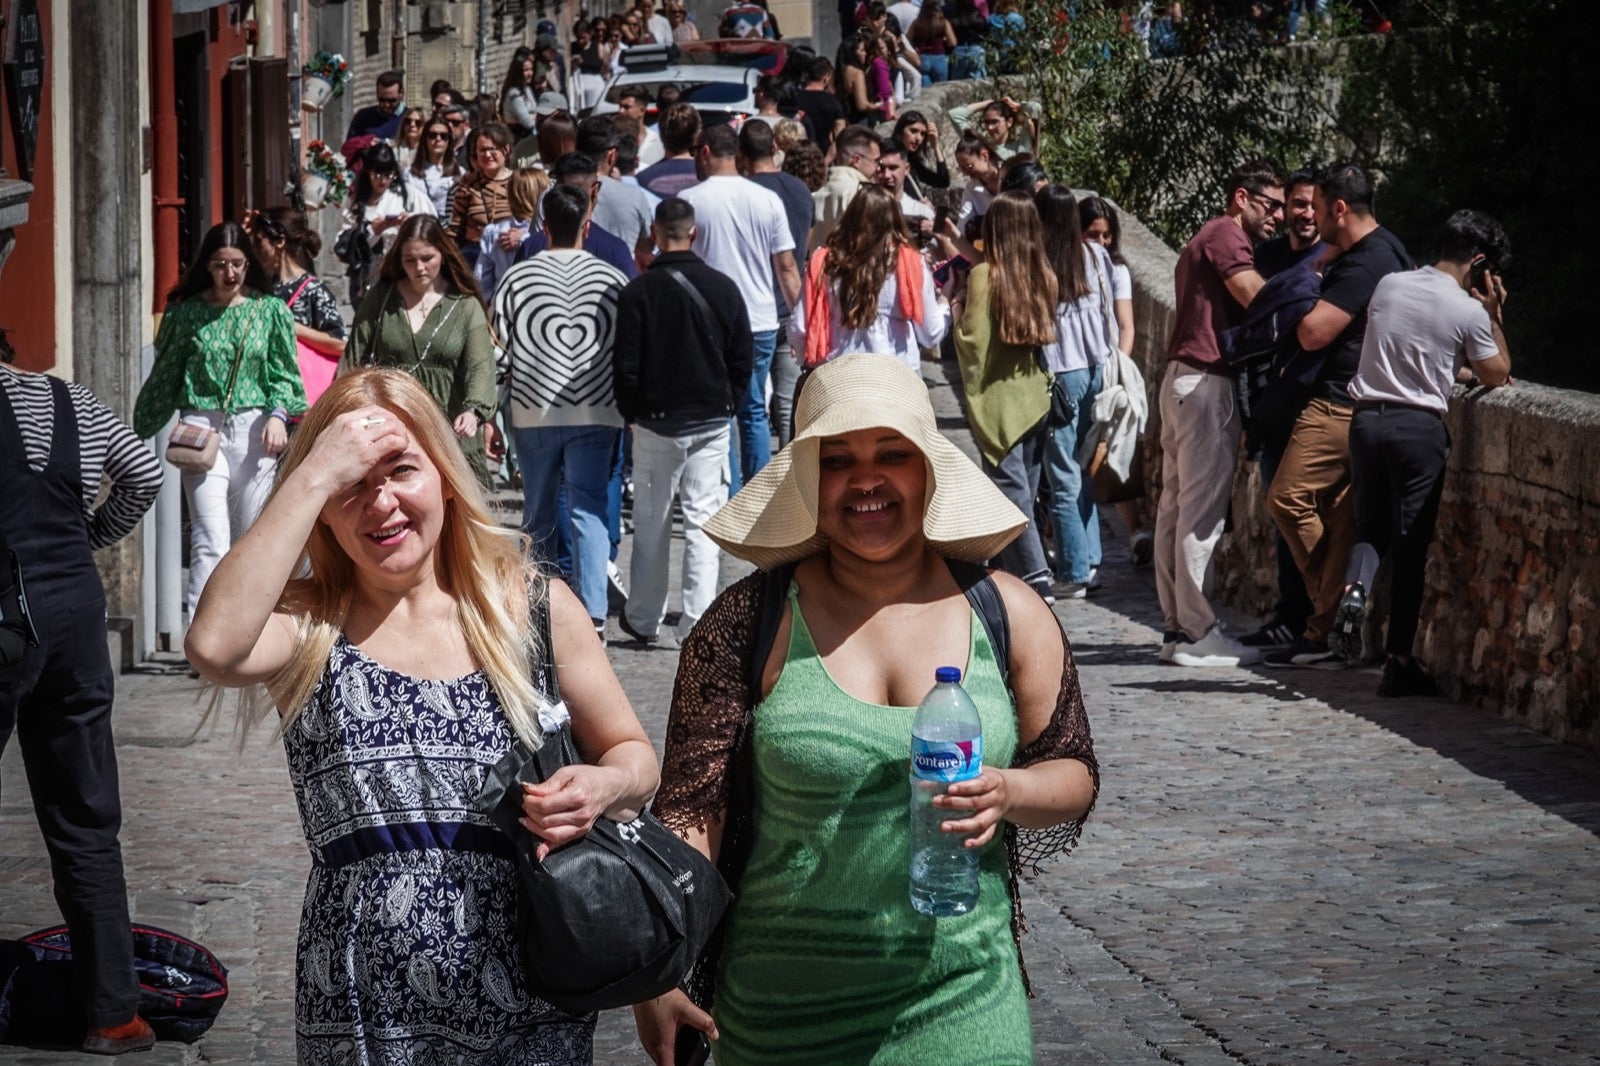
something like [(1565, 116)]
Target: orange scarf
[(819, 321)]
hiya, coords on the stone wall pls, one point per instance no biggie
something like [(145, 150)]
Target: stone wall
[(1511, 616)]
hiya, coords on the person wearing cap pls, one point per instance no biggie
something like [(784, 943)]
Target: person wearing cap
[(861, 527)]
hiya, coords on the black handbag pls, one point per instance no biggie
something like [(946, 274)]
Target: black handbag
[(615, 918)]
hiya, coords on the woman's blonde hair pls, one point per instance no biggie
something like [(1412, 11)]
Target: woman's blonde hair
[(786, 134), (481, 564), (1022, 284), (524, 190)]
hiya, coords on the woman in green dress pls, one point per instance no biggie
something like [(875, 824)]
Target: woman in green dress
[(788, 763), (225, 360), (425, 315)]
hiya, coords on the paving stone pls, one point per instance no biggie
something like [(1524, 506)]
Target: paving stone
[(1282, 868)]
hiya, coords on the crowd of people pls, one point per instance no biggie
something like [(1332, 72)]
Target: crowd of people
[(732, 336)]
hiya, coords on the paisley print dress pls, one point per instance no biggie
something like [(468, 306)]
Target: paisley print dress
[(406, 952)]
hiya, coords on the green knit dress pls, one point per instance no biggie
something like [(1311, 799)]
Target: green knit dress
[(825, 960), (451, 355)]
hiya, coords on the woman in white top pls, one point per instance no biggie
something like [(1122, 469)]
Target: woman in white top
[(435, 171), (380, 201), (868, 289), (1101, 226), (409, 139), (1085, 339), (518, 96)]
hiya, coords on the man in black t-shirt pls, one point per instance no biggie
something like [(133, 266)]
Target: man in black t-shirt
[(824, 115), (1310, 494)]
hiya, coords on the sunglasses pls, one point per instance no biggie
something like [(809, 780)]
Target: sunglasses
[(438, 135)]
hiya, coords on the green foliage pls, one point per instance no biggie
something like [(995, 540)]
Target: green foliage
[(1469, 103), (1474, 105), (1159, 136)]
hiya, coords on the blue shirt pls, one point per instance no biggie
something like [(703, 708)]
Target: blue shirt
[(600, 244)]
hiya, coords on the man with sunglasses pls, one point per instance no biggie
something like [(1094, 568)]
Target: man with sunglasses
[(1310, 496), (1215, 281), (381, 120)]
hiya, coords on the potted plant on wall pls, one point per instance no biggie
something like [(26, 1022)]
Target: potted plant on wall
[(323, 179), (323, 79)]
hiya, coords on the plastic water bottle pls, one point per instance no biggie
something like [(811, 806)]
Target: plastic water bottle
[(946, 746)]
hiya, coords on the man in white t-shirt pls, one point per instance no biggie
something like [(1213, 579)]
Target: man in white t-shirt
[(743, 231), (1426, 330)]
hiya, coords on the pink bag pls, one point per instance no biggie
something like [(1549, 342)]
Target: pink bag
[(317, 369)]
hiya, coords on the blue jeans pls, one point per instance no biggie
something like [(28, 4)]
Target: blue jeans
[(934, 68), (1072, 509), (967, 61), (755, 430), (581, 458)]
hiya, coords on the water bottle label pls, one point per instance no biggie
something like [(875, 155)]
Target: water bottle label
[(946, 760)]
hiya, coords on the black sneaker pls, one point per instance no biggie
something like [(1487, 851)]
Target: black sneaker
[(663, 640), (1408, 679), (1305, 652), (1348, 621), (1274, 634)]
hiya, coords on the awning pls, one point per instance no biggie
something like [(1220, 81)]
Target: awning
[(190, 7)]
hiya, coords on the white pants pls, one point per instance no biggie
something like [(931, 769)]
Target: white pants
[(225, 500), (694, 469), (587, 89), (1199, 453)]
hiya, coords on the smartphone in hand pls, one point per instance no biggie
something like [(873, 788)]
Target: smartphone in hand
[(691, 1048)]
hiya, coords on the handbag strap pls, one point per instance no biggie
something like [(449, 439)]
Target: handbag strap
[(709, 317), (1112, 375), (233, 377), (544, 672), (304, 281)]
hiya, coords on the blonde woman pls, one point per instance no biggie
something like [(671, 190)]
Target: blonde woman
[(399, 664), (1008, 313), (502, 240)]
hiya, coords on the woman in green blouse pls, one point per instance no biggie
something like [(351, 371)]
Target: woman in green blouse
[(425, 315), (225, 359)]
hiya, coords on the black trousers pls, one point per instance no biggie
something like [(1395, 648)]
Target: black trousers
[(58, 701), (1397, 460)]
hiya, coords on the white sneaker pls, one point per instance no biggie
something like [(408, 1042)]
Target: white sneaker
[(1094, 579), (1216, 648), (1070, 590)]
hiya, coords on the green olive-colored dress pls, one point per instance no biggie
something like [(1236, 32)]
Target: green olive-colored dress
[(825, 959), (451, 355)]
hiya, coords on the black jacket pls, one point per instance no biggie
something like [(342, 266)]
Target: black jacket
[(670, 363)]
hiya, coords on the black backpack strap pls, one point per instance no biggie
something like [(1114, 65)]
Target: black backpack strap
[(984, 596), (543, 671), (769, 613)]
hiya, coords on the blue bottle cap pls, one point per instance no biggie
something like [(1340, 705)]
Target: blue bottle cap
[(947, 675)]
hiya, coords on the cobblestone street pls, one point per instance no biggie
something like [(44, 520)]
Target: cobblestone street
[(1282, 868)]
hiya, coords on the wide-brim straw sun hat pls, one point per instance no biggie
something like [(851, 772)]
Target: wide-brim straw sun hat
[(773, 519)]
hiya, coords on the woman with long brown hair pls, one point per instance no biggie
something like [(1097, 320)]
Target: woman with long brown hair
[(1007, 315), (435, 170), (425, 315), (868, 289), (408, 141), (558, 135), (225, 361), (1086, 339)]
